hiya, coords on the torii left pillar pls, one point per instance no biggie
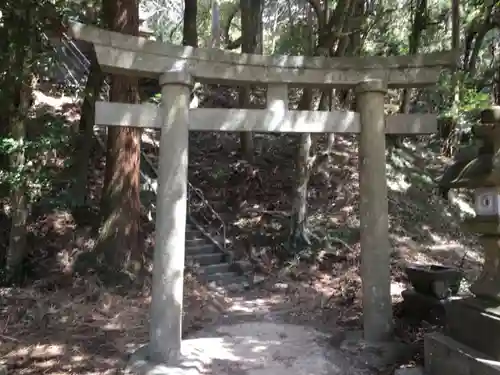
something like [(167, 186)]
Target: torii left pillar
[(375, 248), (168, 261)]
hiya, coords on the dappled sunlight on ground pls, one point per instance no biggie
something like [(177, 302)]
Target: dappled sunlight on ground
[(86, 329), (78, 331)]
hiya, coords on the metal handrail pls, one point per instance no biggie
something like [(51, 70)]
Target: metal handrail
[(192, 191), (221, 229), (82, 59)]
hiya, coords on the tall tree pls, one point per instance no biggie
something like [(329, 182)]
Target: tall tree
[(189, 30), (17, 250), (251, 35), (497, 83), (85, 137), (418, 25), (215, 25), (20, 52), (120, 205), (486, 19), (327, 43)]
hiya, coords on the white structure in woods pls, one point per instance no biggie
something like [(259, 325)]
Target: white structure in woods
[(177, 67)]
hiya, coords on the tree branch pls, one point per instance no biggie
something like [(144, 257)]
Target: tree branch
[(316, 5), (229, 43)]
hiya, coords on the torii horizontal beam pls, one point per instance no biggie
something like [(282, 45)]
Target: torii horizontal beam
[(125, 54), (259, 120)]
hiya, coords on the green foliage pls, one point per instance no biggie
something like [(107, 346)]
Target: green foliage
[(156, 99), (293, 39), (204, 21), (24, 26), (165, 19), (38, 173), (472, 100)]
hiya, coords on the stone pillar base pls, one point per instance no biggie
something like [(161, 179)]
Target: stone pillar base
[(488, 283), (476, 323), (139, 364), (445, 356)]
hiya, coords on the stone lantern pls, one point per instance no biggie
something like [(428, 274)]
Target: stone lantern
[(473, 322), (483, 175)]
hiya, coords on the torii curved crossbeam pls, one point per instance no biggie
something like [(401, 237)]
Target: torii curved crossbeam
[(120, 53)]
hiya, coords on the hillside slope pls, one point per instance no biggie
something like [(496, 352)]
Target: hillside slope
[(256, 201), (58, 323)]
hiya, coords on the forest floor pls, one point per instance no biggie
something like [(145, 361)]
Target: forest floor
[(58, 324)]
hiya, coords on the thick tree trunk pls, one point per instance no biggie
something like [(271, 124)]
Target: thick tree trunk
[(354, 9), (16, 251), (455, 45), (450, 143), (85, 136), (250, 37), (497, 84), (478, 29), (20, 87), (418, 26), (215, 41), (299, 234), (190, 33), (120, 206), (84, 140), (305, 163)]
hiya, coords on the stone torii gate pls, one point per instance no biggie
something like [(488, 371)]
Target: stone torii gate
[(176, 67)]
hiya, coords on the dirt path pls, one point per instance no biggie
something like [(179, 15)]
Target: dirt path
[(88, 330)]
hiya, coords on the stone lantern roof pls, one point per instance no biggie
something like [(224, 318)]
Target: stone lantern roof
[(481, 171)]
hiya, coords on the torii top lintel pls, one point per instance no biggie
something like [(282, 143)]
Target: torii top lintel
[(138, 56)]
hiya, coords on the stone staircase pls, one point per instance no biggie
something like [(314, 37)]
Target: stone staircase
[(206, 244), (211, 264)]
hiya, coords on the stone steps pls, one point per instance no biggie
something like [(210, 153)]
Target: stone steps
[(206, 259), (195, 241), (206, 248), (213, 265), (226, 279), (216, 268)]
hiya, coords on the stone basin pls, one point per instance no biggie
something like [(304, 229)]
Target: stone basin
[(434, 280)]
